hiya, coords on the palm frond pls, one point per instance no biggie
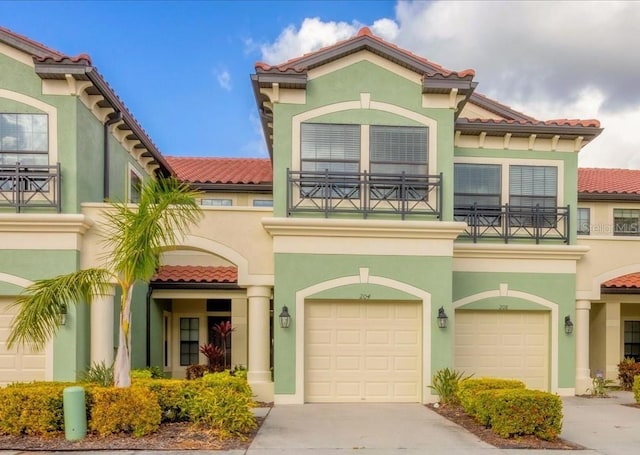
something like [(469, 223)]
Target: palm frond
[(41, 304), (166, 210)]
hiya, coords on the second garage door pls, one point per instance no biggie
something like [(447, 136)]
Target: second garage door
[(504, 344), (363, 351)]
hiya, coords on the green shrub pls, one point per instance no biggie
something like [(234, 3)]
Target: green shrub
[(628, 369), (173, 395), (154, 372), (636, 389), (469, 388), (519, 412), (445, 384), (132, 410), (35, 409), (98, 373), (223, 402)]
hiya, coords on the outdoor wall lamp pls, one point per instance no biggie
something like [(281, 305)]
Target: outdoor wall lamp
[(63, 315), (285, 317), (568, 325), (442, 318)]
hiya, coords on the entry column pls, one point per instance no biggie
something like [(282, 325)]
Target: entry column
[(259, 371), (102, 327), (583, 372)]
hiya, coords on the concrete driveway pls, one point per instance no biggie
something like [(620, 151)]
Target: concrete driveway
[(361, 428)]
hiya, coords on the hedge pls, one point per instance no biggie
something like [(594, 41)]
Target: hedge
[(636, 389), (34, 409), (131, 410), (628, 369), (519, 412), (469, 388)]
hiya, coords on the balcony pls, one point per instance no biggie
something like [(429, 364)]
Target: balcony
[(364, 194), (27, 186), (509, 222)]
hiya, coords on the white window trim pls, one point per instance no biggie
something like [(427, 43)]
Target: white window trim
[(506, 162), (51, 112), (130, 169)]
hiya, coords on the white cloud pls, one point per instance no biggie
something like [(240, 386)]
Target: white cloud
[(224, 79), (548, 59)]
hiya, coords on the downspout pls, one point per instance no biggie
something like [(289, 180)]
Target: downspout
[(148, 334), (117, 116)]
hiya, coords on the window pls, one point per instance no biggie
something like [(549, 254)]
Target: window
[(325, 146), (135, 186), (632, 339), (477, 189), (215, 202), (398, 149), (189, 341), (24, 139), (533, 186), (584, 221), (626, 221), (263, 202), (334, 149)]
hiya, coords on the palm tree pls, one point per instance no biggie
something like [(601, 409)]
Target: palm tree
[(135, 236)]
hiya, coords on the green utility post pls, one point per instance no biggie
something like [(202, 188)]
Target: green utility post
[(75, 414)]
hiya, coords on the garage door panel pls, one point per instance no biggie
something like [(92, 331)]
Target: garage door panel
[(504, 344), (381, 364), (18, 364)]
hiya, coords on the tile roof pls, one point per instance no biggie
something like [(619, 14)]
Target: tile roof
[(631, 280), (608, 181), (195, 274), (36, 48), (299, 64), (557, 122), (222, 170)]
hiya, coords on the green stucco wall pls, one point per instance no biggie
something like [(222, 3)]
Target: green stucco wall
[(347, 84), (557, 289), (295, 272)]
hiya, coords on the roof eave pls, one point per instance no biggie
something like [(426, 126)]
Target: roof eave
[(608, 197), (190, 285), (565, 131)]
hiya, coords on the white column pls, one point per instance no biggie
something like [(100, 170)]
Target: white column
[(259, 373), (102, 327), (583, 372)]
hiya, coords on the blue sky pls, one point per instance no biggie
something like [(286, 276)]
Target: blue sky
[(164, 58), (183, 68)]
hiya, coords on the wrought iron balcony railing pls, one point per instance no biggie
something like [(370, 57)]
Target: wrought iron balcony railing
[(510, 222), (363, 193), (30, 185)]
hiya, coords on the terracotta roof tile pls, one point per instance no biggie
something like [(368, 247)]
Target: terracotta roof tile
[(195, 274), (292, 65), (557, 122), (631, 280), (608, 181), (222, 170)]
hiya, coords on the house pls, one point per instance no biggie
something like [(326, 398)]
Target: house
[(403, 223)]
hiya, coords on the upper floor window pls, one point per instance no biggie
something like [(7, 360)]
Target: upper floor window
[(584, 221), (331, 147), (135, 186), (398, 149), (626, 221), (533, 185), (24, 138), (216, 202)]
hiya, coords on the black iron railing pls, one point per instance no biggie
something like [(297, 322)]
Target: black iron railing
[(363, 193), (510, 222), (30, 185)]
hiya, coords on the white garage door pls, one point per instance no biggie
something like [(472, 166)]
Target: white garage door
[(363, 351), (504, 344), (17, 364)]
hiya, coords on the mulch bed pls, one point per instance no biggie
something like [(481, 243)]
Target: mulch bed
[(170, 436), (456, 414)]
